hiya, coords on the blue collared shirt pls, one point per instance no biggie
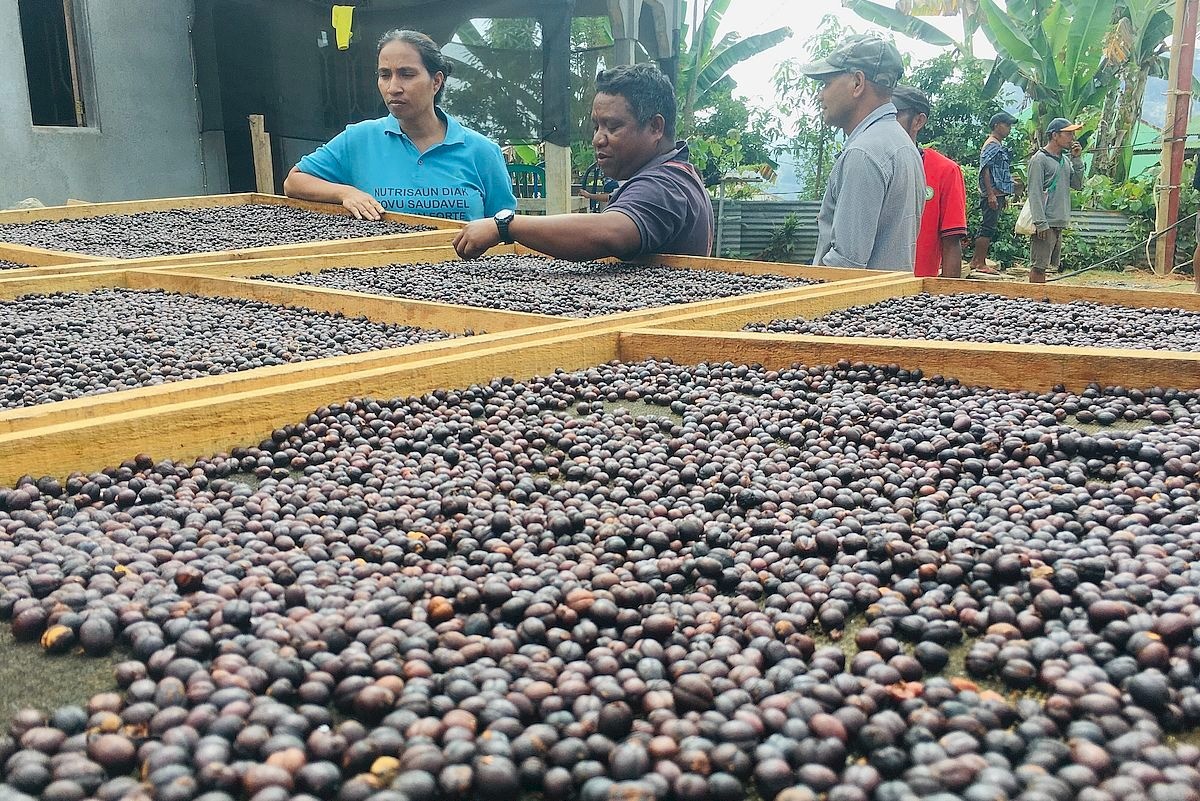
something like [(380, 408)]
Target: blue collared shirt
[(871, 212), (997, 157), (463, 177)]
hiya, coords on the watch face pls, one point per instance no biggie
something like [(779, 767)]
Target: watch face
[(504, 215)]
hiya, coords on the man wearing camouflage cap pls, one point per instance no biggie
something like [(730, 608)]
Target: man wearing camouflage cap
[(871, 212)]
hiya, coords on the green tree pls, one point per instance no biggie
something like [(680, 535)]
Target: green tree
[(961, 111), (488, 54), (800, 131), (730, 135), (705, 61), (905, 18)]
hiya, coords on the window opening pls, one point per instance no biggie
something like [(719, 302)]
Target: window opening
[(48, 34)]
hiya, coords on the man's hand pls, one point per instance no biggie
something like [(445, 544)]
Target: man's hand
[(1076, 149), (476, 238), (993, 201), (1042, 232), (362, 205)]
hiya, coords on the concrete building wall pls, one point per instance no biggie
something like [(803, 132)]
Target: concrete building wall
[(143, 136)]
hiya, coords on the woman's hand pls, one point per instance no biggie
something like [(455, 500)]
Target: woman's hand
[(361, 205)]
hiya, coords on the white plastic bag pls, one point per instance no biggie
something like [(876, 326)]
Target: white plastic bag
[(1024, 225)]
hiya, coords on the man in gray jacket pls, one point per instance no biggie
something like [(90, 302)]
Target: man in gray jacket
[(871, 212), (1053, 172)]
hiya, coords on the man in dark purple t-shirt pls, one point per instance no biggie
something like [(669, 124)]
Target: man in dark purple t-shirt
[(661, 208)]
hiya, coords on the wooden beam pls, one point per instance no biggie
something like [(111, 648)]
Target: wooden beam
[(13, 288), (260, 144), (292, 265), (52, 415), (769, 268), (1058, 293), (814, 302), (377, 308), (558, 179), (1018, 367), (1179, 93), (193, 428), (82, 212)]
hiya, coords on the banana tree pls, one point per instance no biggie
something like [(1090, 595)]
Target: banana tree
[(1138, 45), (506, 52), (1054, 50), (705, 63)]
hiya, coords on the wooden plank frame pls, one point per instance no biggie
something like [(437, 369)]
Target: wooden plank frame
[(55, 261), (292, 264), (1016, 367), (168, 419), (842, 296), (515, 328), (187, 422), (37, 257), (188, 419), (374, 307)]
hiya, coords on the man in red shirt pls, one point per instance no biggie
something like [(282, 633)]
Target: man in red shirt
[(944, 221)]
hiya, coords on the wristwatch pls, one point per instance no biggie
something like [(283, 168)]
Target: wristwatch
[(503, 218)]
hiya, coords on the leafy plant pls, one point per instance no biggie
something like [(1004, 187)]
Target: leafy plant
[(730, 135), (1108, 250), (782, 244), (705, 61), (1054, 50), (1136, 44)]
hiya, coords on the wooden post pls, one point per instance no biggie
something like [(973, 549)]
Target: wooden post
[(558, 179), (1179, 95), (260, 141), (73, 58)]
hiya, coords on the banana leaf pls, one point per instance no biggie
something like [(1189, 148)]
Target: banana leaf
[(900, 22), (1084, 38), (1003, 70), (734, 54), (1008, 39)]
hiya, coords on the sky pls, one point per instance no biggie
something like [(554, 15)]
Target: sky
[(748, 17)]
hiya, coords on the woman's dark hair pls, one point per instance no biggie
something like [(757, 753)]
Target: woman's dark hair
[(647, 91), (431, 56)]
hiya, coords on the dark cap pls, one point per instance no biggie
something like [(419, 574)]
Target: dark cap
[(878, 60), (909, 98), (1060, 124), (1002, 117)]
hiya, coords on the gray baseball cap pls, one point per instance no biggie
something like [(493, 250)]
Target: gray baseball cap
[(1002, 117), (879, 60), (909, 98)]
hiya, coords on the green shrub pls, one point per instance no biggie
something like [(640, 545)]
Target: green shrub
[(782, 244), (1078, 252)]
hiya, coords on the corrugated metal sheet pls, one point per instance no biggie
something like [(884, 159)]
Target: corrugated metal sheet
[(1090, 224), (747, 225)]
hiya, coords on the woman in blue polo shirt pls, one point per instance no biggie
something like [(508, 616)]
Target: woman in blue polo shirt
[(417, 160)]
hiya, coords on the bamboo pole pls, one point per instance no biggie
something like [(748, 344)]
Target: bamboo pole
[(1179, 96)]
